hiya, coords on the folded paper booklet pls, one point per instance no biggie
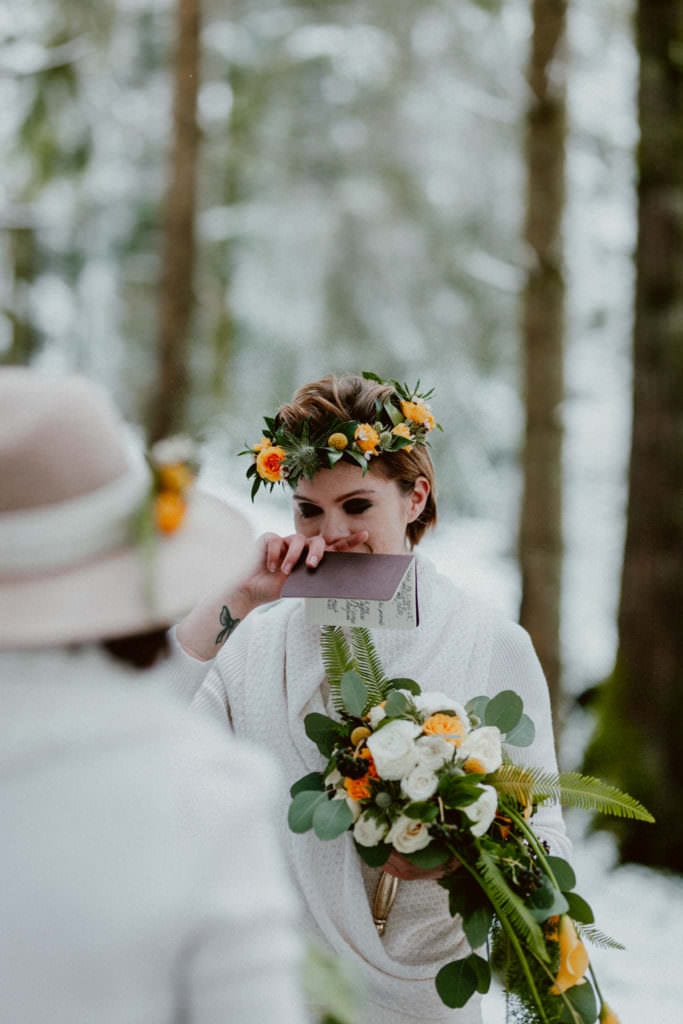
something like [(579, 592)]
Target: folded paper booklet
[(358, 590)]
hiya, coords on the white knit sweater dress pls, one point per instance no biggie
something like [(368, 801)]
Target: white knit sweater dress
[(265, 681)]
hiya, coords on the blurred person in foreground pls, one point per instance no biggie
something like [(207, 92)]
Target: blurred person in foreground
[(141, 875), (360, 482)]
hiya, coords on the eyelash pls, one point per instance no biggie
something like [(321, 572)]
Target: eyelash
[(352, 508)]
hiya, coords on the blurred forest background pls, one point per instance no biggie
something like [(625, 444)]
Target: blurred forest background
[(204, 204)]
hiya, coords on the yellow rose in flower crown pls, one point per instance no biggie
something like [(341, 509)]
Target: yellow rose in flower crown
[(403, 430), (269, 463), (573, 958), (418, 412), (367, 438), (265, 442)]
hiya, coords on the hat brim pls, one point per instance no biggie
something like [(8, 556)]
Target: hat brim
[(124, 593)]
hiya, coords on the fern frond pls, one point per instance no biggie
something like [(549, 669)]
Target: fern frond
[(517, 782), (597, 937), (337, 660), (587, 793), (368, 664), (508, 905)]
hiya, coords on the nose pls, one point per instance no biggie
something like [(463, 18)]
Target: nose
[(335, 526)]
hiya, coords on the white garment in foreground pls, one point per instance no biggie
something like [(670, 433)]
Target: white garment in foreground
[(141, 879), (268, 678)]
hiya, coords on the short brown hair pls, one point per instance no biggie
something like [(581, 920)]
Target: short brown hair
[(352, 397)]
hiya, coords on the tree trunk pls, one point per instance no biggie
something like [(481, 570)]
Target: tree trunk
[(176, 292), (540, 537), (638, 741)]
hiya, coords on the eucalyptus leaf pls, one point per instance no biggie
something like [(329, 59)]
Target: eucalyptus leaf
[(457, 982), (523, 734), (504, 710), (582, 998), (478, 925), (403, 684), (354, 693), (313, 782), (547, 902), (579, 909), (396, 704), (477, 707), (331, 818), (323, 731), (302, 809), (563, 872)]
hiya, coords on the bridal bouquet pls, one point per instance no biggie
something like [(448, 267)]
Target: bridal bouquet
[(424, 775)]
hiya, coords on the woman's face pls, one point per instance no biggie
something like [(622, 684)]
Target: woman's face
[(340, 501)]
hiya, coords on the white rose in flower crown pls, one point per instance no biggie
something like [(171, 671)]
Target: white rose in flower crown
[(433, 751), (481, 750), (420, 783), (368, 831), (482, 811), (393, 748), (407, 835), (375, 715), (432, 702)]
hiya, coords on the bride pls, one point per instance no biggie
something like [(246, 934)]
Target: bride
[(353, 450)]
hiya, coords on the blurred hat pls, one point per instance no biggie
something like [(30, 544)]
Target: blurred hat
[(74, 493)]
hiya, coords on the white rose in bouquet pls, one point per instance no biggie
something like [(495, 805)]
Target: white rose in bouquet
[(433, 751), (482, 811), (433, 701), (482, 748), (376, 715), (368, 831), (393, 748), (420, 783), (407, 835)]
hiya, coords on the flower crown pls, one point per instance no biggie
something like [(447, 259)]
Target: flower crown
[(283, 455)]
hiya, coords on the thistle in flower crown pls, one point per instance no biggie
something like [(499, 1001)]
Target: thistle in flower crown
[(284, 454)]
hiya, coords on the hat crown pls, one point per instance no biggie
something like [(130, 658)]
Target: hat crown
[(60, 439)]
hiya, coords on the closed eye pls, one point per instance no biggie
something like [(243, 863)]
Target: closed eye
[(308, 511), (356, 506)]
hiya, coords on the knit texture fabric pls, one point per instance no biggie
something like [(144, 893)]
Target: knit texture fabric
[(269, 676)]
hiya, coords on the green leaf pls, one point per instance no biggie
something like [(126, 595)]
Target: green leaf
[(430, 857), (523, 734), (578, 909), (582, 998), (457, 982), (547, 901), (302, 809), (374, 856), (504, 710), (336, 656), (368, 664), (331, 818), (396, 704), (324, 732), (311, 783), (459, 790), (422, 810), (507, 904), (597, 937), (478, 925), (403, 684), (563, 872), (354, 693), (477, 707)]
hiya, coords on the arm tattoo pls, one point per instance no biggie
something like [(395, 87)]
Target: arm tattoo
[(228, 624)]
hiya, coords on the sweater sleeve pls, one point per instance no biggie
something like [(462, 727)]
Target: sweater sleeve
[(515, 666)]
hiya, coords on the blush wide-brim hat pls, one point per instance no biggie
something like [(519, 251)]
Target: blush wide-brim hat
[(73, 486)]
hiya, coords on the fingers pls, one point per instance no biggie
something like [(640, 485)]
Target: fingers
[(347, 543), (281, 554)]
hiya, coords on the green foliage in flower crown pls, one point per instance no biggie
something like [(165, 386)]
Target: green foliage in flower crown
[(285, 455)]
